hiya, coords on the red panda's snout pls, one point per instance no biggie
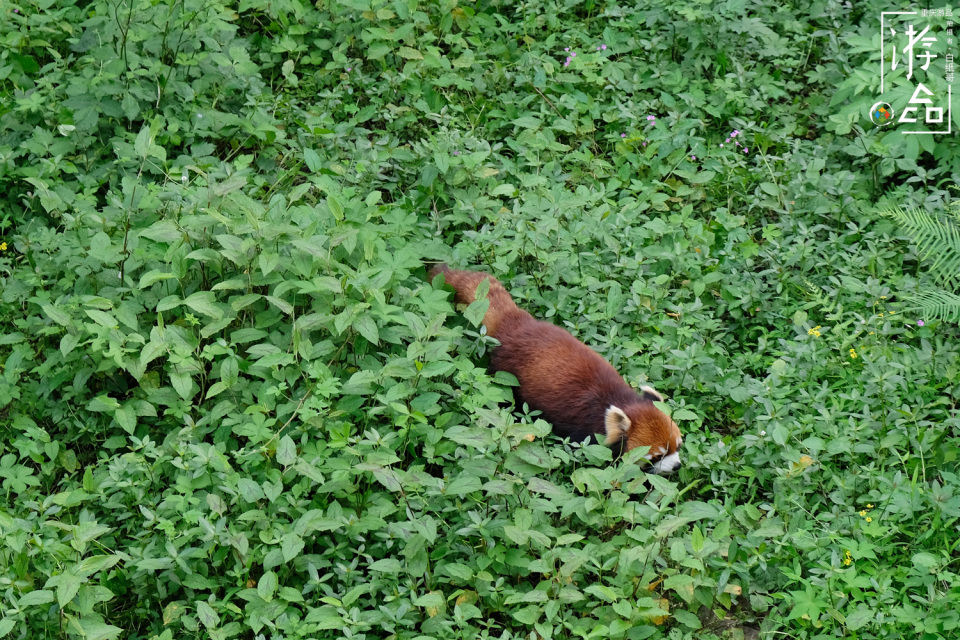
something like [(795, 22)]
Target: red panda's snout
[(642, 424)]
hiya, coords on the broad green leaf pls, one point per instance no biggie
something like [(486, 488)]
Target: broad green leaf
[(432, 599), (476, 311), (56, 314), (409, 53), (67, 587), (204, 302), (312, 158), (267, 586), (38, 596), (154, 564), (268, 262), (142, 144), (335, 208), (687, 619), (93, 564), (93, 629), (153, 276), (860, 618), (770, 188), (682, 584), (463, 485), (528, 615), (541, 485), (473, 436), (102, 318), (603, 592), (365, 326), (527, 122), (182, 383), (102, 404), (387, 565), (456, 570), (207, 616), (315, 521), (126, 417), (378, 50), (286, 451)]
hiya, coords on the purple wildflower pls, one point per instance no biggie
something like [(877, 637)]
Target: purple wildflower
[(349, 69), (651, 118), (604, 47), (573, 54), (721, 145), (623, 135), (919, 323), (693, 157), (566, 48), (745, 150)]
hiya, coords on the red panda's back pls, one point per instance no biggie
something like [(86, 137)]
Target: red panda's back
[(560, 376)]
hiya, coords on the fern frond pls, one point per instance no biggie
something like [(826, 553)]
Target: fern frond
[(938, 304), (936, 238), (812, 289)]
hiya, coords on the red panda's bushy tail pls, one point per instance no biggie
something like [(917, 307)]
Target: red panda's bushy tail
[(465, 283)]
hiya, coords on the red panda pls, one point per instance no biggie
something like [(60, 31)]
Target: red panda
[(573, 387)]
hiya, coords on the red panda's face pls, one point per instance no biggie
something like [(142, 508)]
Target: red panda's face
[(643, 425)]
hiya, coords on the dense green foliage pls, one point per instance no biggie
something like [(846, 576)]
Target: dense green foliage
[(938, 240), (231, 406)]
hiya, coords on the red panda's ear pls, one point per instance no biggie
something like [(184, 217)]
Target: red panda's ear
[(617, 424), (656, 394)]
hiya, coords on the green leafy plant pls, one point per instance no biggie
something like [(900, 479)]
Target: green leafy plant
[(232, 406), (938, 242)]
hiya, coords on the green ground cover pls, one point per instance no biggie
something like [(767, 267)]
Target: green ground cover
[(232, 406)]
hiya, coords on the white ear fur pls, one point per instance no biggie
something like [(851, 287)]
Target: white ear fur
[(652, 392), (617, 424)]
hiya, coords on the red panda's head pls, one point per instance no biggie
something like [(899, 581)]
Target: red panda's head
[(641, 424)]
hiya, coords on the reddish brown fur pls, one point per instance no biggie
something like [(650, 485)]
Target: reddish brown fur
[(569, 383)]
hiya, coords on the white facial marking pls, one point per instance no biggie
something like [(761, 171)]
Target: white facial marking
[(667, 464), (648, 456), (661, 451)]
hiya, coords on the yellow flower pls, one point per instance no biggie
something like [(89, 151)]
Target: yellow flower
[(3, 246), (869, 506), (869, 519), (853, 353), (863, 513), (847, 559), (881, 314), (883, 297), (815, 332)]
